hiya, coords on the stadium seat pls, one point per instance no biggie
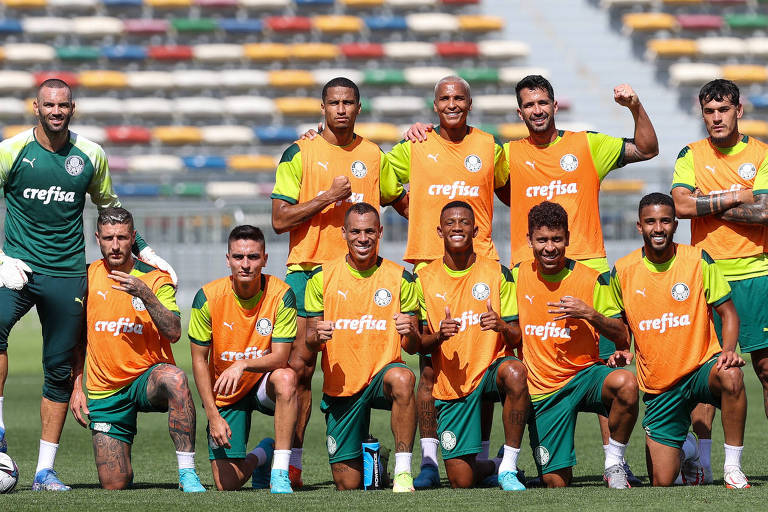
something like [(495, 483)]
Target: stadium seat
[(145, 26), (10, 26), (149, 80), (97, 26), (275, 134), (611, 4), (99, 106), (512, 75), (700, 21), (124, 52), (457, 49), (155, 163), (128, 134), (757, 46), (384, 77), (389, 23), (379, 132), (24, 4), (16, 81), (288, 23), (177, 135), (291, 78), (314, 51), (14, 129), (649, 22), (217, 52), (29, 52), (459, 2), (410, 4), (479, 75), (238, 26), (310, 3), (12, 108), (215, 4), (196, 79), (425, 76), (249, 106), (198, 25), (746, 21), (183, 189), (671, 48), (503, 49), (149, 107), (170, 52), (397, 105), (168, 4), (138, 189), (753, 127), (205, 162), (78, 53), (474, 23), (249, 163), (681, 2), (323, 76), (362, 50), (267, 51), (721, 46), (103, 79), (67, 76), (227, 135), (362, 3), (431, 23), (495, 103), (692, 73), (744, 73), (248, 189), (117, 163), (294, 106), (409, 50), (622, 186), (243, 78), (338, 24), (91, 132), (265, 4), (512, 131), (122, 3)]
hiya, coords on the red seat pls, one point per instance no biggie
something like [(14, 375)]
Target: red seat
[(118, 164), (289, 23), (145, 26), (128, 134), (362, 50), (457, 49), (70, 78), (170, 52), (700, 21)]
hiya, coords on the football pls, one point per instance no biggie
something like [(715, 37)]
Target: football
[(9, 474)]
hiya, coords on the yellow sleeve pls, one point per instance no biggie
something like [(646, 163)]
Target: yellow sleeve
[(420, 298), (400, 160), (313, 295), (500, 166), (509, 311), (409, 300), (100, 188), (716, 288), (684, 175), (166, 294), (390, 189), (607, 152), (761, 180), (200, 331), (603, 297), (285, 320), (618, 297), (288, 176)]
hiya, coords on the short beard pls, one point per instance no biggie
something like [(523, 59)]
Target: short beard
[(49, 130)]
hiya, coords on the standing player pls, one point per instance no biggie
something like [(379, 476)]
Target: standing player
[(129, 359), (361, 314), (461, 295), (456, 161), (45, 173), (315, 182), (241, 331), (564, 307), (721, 184), (667, 291)]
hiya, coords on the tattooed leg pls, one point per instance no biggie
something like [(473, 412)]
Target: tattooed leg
[(398, 387), (113, 461), (426, 404), (167, 387), (348, 474), (511, 379)]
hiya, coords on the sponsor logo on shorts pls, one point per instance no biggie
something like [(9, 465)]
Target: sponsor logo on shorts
[(102, 427), (74, 165), (667, 320), (541, 454), (250, 353), (680, 292), (481, 291), (569, 162), (455, 189), (364, 323), (555, 188), (382, 297), (123, 325), (264, 326), (138, 305), (448, 440), (548, 330), (473, 163), (331, 444), (359, 170), (50, 194), (747, 171)]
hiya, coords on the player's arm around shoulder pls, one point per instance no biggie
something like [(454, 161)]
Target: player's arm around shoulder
[(644, 145)]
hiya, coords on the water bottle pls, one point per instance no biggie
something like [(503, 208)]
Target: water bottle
[(371, 467)]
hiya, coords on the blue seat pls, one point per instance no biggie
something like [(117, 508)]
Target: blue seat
[(137, 189), (759, 101), (314, 2), (122, 3), (205, 162), (8, 26), (385, 22), (276, 134), (249, 26), (124, 52)]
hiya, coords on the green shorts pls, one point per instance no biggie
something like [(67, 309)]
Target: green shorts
[(459, 421), (552, 427), (238, 417), (668, 415), (297, 280), (348, 418), (753, 315), (116, 414), (606, 348), (60, 304)]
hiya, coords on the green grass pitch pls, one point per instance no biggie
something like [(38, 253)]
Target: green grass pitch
[(154, 462)]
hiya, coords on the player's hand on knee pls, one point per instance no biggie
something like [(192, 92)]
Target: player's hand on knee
[(220, 433), (13, 272), (226, 384), (625, 96), (620, 358), (324, 330), (729, 359), (418, 132), (148, 255), (79, 407)]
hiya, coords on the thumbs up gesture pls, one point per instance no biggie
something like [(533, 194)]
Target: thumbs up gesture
[(490, 320), (448, 326), (406, 324)]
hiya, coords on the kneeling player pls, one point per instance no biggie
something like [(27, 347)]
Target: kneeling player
[(132, 320), (460, 295), (241, 331), (564, 308), (362, 312), (667, 291)]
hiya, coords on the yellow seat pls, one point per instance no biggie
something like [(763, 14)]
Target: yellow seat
[(102, 79), (291, 78), (379, 132), (337, 24), (649, 21), (672, 48), (622, 186), (177, 134), (314, 51), (24, 4), (363, 3), (513, 131), (474, 23), (753, 127), (745, 73), (2, 53), (293, 106), (247, 163), (267, 51), (168, 4), (14, 129)]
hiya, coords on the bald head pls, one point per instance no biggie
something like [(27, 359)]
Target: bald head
[(457, 81)]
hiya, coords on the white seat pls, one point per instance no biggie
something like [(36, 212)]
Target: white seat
[(198, 106), (432, 23), (721, 46), (503, 49), (323, 76), (47, 25), (97, 26), (29, 52), (512, 75), (16, 80), (149, 80), (155, 164), (196, 79), (249, 106), (409, 4), (610, 4), (232, 188), (495, 103), (244, 78), (391, 105), (426, 75), (149, 107), (409, 50), (99, 107), (692, 73), (12, 107), (227, 135), (217, 52), (74, 4), (265, 4), (91, 132), (757, 46)]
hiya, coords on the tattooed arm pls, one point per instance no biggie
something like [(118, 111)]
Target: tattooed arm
[(166, 321), (644, 145), (692, 203), (749, 213)]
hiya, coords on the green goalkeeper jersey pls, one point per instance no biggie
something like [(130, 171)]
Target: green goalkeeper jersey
[(45, 196)]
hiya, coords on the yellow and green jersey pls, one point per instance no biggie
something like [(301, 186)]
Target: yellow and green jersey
[(45, 196)]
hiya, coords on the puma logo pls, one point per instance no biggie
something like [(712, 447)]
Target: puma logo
[(324, 165), (529, 298), (103, 294), (441, 296), (433, 157), (532, 165), (641, 292), (343, 294), (30, 162), (79, 301), (229, 325), (710, 168)]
